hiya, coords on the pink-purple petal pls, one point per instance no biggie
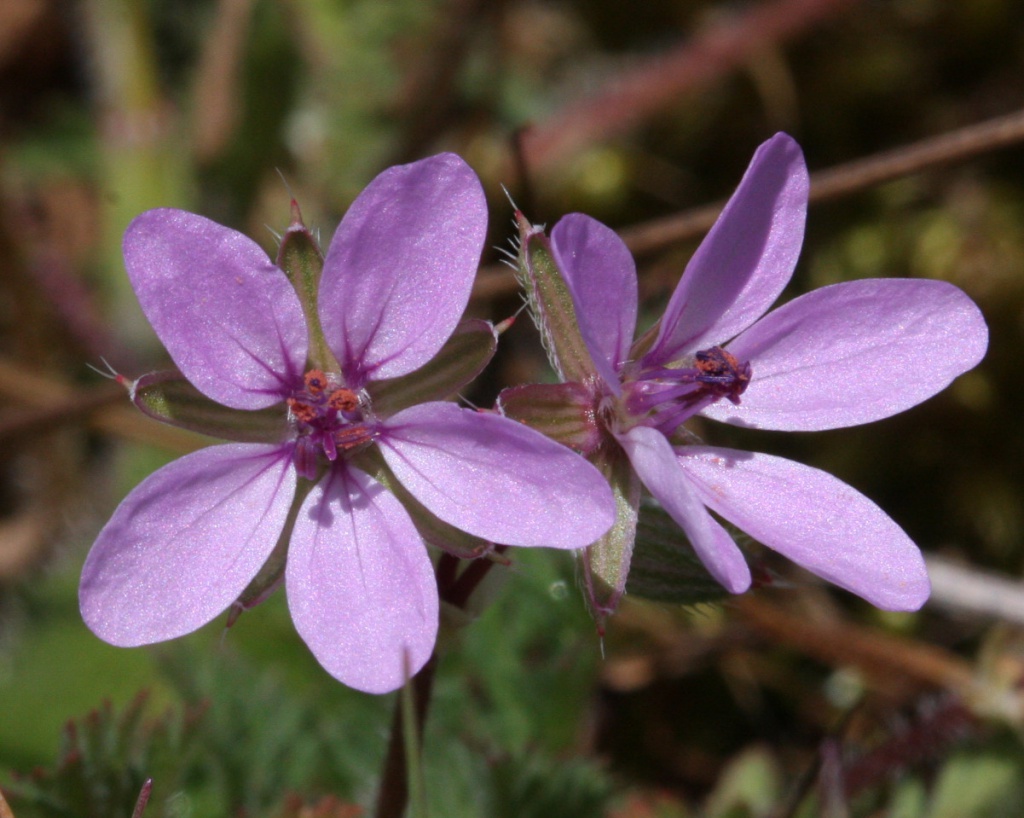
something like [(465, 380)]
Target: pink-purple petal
[(496, 478), (854, 352), (815, 520), (656, 464), (746, 259), (228, 317), (185, 542), (601, 274), (398, 273), (360, 585)]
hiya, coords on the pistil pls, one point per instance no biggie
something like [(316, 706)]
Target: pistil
[(328, 419)]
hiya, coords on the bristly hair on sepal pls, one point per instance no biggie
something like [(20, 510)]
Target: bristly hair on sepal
[(551, 304)]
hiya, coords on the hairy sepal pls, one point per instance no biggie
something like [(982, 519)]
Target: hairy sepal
[(460, 360), (302, 260), (551, 305), (168, 397), (606, 563), (564, 412)]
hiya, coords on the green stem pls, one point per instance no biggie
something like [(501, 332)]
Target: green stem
[(394, 788)]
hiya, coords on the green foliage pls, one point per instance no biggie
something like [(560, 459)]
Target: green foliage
[(247, 735), (987, 784), (527, 662), (749, 787), (103, 761), (240, 744), (539, 786)]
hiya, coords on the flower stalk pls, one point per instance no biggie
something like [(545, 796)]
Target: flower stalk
[(454, 588)]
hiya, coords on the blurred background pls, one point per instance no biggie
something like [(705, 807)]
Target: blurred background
[(796, 700)]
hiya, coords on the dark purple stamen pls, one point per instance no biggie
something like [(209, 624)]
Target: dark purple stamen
[(668, 397), (723, 374)]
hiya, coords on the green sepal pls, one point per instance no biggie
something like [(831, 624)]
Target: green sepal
[(551, 305), (302, 260), (460, 360), (642, 345), (565, 412), (434, 531), (665, 567), (270, 576), (606, 563), (168, 397)]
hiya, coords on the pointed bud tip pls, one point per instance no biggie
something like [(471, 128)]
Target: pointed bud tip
[(296, 213), (115, 376), (503, 326), (234, 612), (524, 225), (764, 577)]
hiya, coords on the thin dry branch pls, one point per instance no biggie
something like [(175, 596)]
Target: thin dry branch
[(218, 92), (883, 657), (964, 589), (659, 81), (65, 404), (956, 146)]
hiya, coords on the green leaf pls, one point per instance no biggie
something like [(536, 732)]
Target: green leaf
[(665, 567), (750, 784), (980, 785)]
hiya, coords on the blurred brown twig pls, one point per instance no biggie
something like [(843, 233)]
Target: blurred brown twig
[(218, 91), (842, 180), (655, 83), (63, 404), (889, 661)]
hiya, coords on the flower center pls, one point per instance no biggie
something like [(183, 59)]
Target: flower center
[(327, 418), (665, 397)]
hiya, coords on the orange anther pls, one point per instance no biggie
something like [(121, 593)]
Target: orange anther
[(303, 412), (316, 381), (343, 400)]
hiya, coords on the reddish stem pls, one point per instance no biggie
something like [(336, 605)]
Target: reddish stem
[(455, 589)]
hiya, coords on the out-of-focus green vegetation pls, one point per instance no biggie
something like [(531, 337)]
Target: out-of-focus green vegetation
[(797, 701)]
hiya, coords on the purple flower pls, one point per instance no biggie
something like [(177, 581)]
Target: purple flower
[(189, 539), (839, 356)]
